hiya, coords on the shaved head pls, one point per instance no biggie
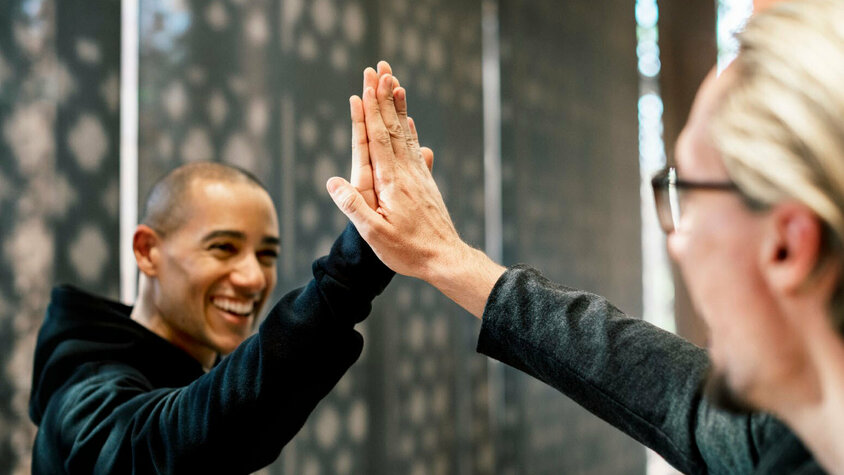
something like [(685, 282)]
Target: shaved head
[(169, 200)]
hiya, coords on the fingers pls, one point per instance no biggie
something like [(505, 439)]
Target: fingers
[(370, 79), (381, 154), (360, 150), (361, 166), (386, 104), (413, 133), (384, 68), (400, 99), (427, 153), (352, 204)]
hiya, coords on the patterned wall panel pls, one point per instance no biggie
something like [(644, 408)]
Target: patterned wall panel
[(87, 182), (58, 180), (436, 391), (322, 46), (571, 204), (27, 118)]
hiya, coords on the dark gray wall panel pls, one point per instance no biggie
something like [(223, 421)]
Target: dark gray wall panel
[(571, 202), (59, 169)]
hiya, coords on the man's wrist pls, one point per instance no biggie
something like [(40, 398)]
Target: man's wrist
[(467, 276)]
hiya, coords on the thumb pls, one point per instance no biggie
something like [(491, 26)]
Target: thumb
[(351, 203)]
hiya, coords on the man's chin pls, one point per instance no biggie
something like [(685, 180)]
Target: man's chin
[(718, 391)]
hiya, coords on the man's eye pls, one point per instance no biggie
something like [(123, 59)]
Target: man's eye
[(268, 257), (223, 248)]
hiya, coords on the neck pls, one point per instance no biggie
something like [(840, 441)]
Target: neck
[(818, 418), (146, 313)]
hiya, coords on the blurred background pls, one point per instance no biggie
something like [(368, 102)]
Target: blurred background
[(547, 118)]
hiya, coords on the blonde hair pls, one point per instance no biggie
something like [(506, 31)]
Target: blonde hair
[(780, 127)]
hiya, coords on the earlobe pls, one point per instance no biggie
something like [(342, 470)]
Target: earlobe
[(794, 246), (145, 244)]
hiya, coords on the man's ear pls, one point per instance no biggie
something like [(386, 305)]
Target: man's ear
[(146, 245), (792, 246)]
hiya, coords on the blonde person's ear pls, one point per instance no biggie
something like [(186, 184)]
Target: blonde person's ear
[(792, 247), (145, 244)]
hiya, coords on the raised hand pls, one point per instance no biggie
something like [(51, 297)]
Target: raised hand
[(362, 171), (409, 229)]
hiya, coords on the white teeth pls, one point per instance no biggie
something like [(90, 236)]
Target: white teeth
[(234, 306)]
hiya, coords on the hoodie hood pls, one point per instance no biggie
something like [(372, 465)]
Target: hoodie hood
[(82, 328)]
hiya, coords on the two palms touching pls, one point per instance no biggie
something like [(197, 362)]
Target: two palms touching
[(362, 169), (393, 199)]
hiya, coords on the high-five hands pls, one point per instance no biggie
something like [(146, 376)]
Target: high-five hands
[(395, 203), (402, 212), (362, 173)]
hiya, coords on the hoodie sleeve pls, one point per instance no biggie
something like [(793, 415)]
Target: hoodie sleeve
[(644, 381), (237, 417)]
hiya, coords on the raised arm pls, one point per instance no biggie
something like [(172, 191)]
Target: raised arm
[(112, 417), (644, 381)]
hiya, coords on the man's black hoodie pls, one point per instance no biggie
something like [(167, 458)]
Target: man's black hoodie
[(110, 396)]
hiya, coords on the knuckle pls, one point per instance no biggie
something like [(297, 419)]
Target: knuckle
[(381, 136), (377, 229), (347, 202), (395, 130), (359, 144)]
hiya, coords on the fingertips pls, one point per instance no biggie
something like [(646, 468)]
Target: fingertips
[(385, 90), (345, 196), (334, 185), (356, 108), (371, 108), (352, 204), (384, 68), (370, 78), (400, 96)]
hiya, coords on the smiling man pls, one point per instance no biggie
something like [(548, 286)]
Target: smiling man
[(208, 263), (142, 389), (755, 216)]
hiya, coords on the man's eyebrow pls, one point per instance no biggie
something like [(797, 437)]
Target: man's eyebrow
[(274, 240), (228, 233), (223, 233)]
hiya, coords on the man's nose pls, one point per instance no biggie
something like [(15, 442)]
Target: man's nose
[(248, 275)]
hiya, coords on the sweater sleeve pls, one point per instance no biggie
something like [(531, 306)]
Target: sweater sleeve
[(639, 378), (237, 417)]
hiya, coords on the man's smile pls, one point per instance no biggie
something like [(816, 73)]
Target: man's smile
[(238, 307)]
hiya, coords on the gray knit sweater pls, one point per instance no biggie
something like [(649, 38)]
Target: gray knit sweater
[(637, 377)]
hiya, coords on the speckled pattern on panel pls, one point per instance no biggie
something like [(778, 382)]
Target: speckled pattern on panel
[(59, 191), (571, 203)]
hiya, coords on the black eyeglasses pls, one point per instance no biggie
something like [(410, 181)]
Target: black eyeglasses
[(669, 191)]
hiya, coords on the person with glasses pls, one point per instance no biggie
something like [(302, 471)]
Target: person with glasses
[(754, 211)]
